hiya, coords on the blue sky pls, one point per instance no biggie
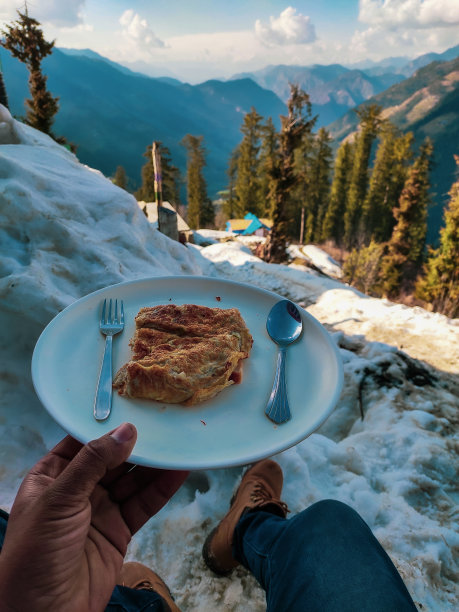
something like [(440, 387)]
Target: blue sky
[(195, 40)]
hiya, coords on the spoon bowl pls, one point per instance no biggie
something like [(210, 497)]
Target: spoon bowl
[(284, 326)]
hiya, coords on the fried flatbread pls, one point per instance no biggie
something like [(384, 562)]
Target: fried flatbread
[(184, 354)]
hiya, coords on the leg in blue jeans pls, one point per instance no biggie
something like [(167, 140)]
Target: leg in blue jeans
[(324, 559), (123, 599)]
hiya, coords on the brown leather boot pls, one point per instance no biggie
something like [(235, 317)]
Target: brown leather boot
[(260, 489), (138, 576)]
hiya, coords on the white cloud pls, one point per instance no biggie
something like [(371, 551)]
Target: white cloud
[(405, 27), (60, 13), (375, 42), (138, 35), (409, 13), (289, 28)]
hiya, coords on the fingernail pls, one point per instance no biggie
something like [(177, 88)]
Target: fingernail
[(123, 433)]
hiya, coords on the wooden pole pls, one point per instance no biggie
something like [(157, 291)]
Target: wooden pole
[(302, 226), (158, 183)]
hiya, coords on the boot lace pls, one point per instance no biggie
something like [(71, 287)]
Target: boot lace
[(260, 496)]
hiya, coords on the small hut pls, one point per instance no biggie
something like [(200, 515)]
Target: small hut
[(172, 224), (250, 225)]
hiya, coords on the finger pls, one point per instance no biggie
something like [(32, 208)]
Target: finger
[(45, 471), (149, 500), (54, 462), (92, 462), (67, 448)]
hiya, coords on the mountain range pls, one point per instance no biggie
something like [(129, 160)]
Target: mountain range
[(112, 113), (334, 89)]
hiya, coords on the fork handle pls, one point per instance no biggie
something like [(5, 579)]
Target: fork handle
[(277, 409), (103, 401)]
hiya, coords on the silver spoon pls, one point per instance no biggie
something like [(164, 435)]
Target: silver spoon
[(284, 326)]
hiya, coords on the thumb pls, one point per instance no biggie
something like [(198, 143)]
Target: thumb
[(92, 462)]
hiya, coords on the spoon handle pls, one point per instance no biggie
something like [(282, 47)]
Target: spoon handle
[(277, 408)]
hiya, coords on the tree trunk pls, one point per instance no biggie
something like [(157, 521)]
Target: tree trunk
[(3, 94)]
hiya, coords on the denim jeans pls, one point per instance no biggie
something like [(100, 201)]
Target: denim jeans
[(324, 559)]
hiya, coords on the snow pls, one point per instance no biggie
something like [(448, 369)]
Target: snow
[(204, 237), (66, 231), (318, 257)]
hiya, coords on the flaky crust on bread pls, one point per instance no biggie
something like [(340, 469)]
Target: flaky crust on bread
[(184, 354)]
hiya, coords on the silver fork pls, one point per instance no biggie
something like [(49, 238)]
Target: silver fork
[(109, 327)]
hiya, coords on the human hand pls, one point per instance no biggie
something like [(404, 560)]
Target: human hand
[(72, 521)]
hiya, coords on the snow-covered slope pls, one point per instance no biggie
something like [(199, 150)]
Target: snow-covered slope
[(65, 231)]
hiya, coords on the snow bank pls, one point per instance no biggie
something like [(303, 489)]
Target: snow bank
[(66, 231), (204, 237), (322, 260)]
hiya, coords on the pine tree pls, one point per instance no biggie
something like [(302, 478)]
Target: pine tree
[(267, 161), (440, 283), (386, 183), (333, 223), (120, 178), (207, 215), (25, 40), (230, 206), (199, 211), (406, 246), (318, 185), (370, 123), (3, 94), (299, 199), (171, 178), (294, 126), (247, 186)]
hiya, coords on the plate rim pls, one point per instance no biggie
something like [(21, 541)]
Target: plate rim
[(203, 465)]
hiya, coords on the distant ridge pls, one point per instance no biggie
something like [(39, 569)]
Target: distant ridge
[(333, 89), (96, 56), (112, 113)]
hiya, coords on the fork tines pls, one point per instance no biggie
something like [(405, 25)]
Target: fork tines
[(109, 320)]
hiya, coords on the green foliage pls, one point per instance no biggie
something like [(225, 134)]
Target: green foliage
[(200, 210), (25, 41), (426, 104), (120, 179), (370, 124), (251, 168), (317, 180), (333, 225), (171, 178), (440, 283), (207, 214), (267, 163), (294, 128), (3, 94), (247, 185), (362, 268), (387, 179), (406, 246), (230, 206)]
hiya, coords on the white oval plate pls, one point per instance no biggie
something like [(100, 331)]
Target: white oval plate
[(228, 430)]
